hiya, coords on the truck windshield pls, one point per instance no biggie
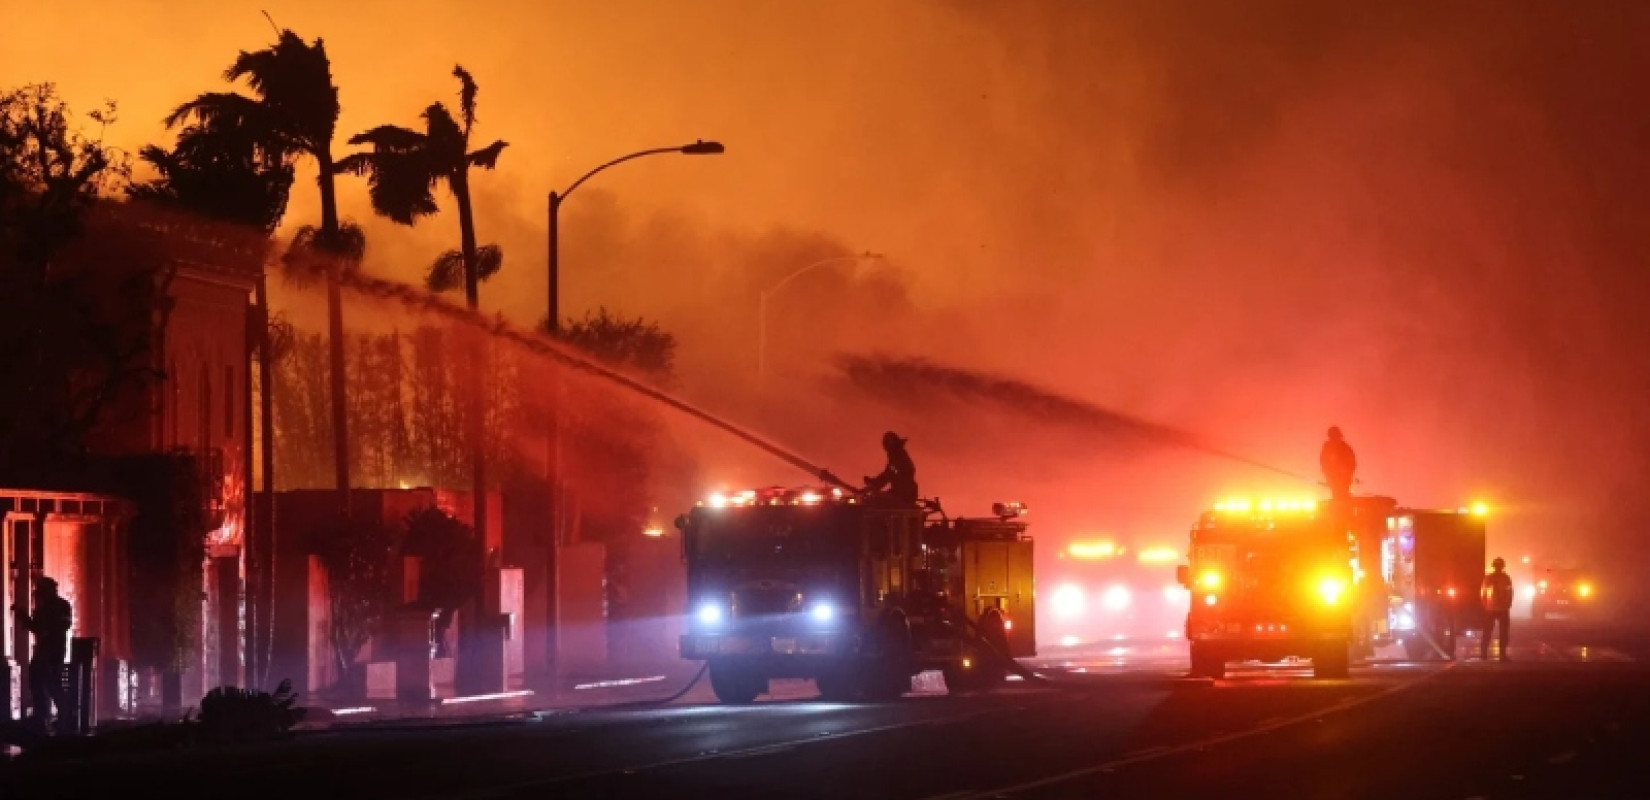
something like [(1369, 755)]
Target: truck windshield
[(1266, 560), (769, 536)]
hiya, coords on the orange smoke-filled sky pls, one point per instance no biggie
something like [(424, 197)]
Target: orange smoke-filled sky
[(1419, 220)]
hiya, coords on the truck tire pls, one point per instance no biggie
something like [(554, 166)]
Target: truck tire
[(735, 684), (1207, 663), (1417, 649), (1332, 663), (837, 685), (886, 676)]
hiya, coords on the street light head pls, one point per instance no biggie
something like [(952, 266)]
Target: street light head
[(703, 148)]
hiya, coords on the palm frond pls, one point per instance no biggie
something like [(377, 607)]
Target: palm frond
[(294, 81), (446, 272), (466, 97), (390, 137), (218, 109), (487, 156), (446, 141), (400, 184), (489, 257), (311, 254)]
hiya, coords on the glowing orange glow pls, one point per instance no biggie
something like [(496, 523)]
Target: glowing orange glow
[(1158, 555), (1092, 549)]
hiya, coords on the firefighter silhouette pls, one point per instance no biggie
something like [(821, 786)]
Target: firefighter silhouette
[(898, 480), (1497, 596), (1338, 463), (50, 625)]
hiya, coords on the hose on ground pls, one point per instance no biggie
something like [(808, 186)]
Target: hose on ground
[(659, 701)]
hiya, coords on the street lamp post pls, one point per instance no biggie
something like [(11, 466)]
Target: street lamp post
[(553, 327), (698, 148), (762, 307)]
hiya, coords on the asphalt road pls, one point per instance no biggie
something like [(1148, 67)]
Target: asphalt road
[(1568, 717)]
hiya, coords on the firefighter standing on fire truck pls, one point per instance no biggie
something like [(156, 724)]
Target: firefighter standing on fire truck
[(1338, 463), (1497, 596), (899, 478)]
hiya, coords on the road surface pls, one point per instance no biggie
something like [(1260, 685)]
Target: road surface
[(1568, 717)]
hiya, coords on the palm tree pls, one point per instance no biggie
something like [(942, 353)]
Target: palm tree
[(402, 170), (292, 114)]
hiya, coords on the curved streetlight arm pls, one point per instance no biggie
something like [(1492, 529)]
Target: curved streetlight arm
[(619, 160), (700, 147), (762, 307), (797, 274)]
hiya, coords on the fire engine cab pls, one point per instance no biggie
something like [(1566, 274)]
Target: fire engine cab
[(855, 592)]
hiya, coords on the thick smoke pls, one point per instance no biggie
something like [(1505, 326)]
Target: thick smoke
[(1421, 221)]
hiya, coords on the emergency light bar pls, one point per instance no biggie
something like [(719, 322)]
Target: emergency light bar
[(777, 496), (1267, 506)]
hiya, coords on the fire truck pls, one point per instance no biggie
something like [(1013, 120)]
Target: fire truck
[(1432, 562), (1328, 580), (856, 593), (1562, 591)]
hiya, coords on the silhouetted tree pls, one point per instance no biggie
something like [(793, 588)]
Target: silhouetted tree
[(76, 338), (359, 560), (451, 552), (404, 167), (293, 114), (218, 173)]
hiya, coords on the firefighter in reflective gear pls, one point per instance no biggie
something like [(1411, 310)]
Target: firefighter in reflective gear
[(1497, 596), (898, 480), (1338, 463)]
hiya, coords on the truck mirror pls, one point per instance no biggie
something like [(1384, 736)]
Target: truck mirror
[(1183, 575), (681, 522)]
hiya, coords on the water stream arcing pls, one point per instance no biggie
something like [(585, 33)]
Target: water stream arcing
[(423, 301)]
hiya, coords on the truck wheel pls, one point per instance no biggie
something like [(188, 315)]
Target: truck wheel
[(1206, 663), (836, 685), (1332, 663), (734, 684), (1416, 648), (887, 674)]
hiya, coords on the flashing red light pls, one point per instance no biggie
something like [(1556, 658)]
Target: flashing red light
[(1451, 591)]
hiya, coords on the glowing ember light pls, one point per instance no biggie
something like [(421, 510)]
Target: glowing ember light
[(1092, 549)]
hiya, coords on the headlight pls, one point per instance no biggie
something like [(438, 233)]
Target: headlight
[(1116, 598), (1585, 590), (1330, 590), (823, 612), (1209, 579), (1068, 601), (710, 614)]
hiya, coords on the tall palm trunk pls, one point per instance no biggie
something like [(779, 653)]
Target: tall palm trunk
[(478, 386), (264, 631), (335, 325)]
